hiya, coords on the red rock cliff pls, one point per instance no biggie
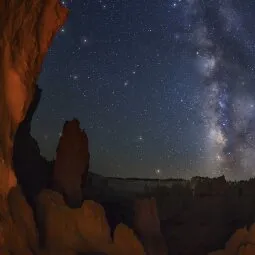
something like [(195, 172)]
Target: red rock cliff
[(26, 30)]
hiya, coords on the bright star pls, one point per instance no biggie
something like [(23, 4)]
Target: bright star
[(158, 171), (140, 138)]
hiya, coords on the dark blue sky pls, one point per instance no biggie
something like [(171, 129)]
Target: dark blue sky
[(140, 76)]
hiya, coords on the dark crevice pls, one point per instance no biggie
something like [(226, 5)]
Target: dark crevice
[(33, 171)]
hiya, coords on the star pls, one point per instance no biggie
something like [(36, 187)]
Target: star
[(84, 40), (74, 76), (140, 138), (158, 172), (177, 36)]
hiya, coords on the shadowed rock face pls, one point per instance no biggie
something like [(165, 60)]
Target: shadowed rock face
[(26, 30), (147, 224), (33, 171)]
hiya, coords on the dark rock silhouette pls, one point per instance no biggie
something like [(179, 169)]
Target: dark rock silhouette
[(147, 224), (205, 221), (72, 163), (33, 171)]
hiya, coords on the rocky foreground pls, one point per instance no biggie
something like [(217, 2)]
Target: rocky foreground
[(57, 219), (60, 229)]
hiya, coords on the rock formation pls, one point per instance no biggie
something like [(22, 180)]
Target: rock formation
[(147, 224), (72, 163), (21, 236), (26, 30), (81, 230), (183, 208), (64, 228), (126, 241), (241, 243)]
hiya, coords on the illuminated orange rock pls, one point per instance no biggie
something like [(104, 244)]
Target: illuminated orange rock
[(82, 229), (26, 31), (22, 215), (65, 228)]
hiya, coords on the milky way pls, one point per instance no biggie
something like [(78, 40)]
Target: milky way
[(229, 112)]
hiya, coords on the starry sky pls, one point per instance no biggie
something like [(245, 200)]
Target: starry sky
[(163, 88)]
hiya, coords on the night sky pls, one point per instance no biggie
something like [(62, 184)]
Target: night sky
[(163, 88)]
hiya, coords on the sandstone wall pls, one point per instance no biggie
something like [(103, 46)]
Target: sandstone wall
[(26, 30)]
